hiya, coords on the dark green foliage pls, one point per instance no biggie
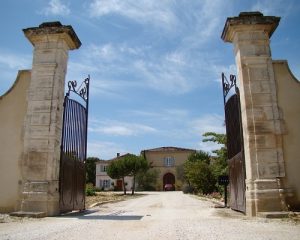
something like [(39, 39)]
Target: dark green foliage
[(135, 164), (147, 180), (188, 189), (201, 170), (90, 169), (118, 170), (180, 173), (199, 155), (199, 174), (129, 165), (219, 161), (90, 190)]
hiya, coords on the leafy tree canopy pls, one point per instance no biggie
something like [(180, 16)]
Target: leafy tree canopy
[(128, 165), (199, 156), (90, 168)]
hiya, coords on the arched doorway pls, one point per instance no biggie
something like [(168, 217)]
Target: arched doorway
[(169, 182)]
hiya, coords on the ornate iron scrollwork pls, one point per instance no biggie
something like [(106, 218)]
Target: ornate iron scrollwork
[(82, 90), (228, 85)]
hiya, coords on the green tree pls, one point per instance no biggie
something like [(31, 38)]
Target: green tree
[(219, 161), (90, 170), (135, 164), (200, 176), (117, 169), (199, 156), (198, 172), (128, 165), (180, 173), (147, 180)]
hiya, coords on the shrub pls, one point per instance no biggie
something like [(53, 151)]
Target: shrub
[(90, 190), (188, 189)]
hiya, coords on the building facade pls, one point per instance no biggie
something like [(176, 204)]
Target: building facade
[(166, 160), (104, 182)]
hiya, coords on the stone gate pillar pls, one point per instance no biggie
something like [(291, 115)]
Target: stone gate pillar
[(250, 34), (43, 121)]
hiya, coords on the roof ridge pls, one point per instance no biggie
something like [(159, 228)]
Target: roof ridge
[(169, 148)]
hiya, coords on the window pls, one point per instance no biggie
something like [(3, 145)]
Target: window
[(103, 168), (169, 161), (105, 183)]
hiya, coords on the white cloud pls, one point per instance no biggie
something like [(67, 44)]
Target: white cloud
[(227, 70), (116, 128), (163, 76), (208, 123), (176, 58), (108, 63), (145, 11), (10, 63), (208, 146), (106, 52), (15, 61), (104, 150), (56, 7), (277, 7)]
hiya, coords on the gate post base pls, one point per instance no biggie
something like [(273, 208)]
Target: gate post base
[(264, 195), (40, 197)]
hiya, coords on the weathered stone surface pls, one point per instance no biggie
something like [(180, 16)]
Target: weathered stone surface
[(43, 121), (251, 20), (262, 125), (38, 34)]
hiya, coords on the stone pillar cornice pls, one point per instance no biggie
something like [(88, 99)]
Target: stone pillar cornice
[(249, 21), (55, 30)]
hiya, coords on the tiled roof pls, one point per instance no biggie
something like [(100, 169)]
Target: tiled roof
[(121, 156), (168, 149), (112, 159)]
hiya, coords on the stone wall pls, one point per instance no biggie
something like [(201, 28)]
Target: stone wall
[(13, 107), (288, 92)]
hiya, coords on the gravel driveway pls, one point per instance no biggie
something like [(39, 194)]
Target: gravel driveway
[(157, 215)]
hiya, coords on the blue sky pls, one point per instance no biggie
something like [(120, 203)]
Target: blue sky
[(155, 66)]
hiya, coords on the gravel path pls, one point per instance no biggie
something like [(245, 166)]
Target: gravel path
[(157, 215)]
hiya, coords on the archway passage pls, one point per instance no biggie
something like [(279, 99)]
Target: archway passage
[(169, 182)]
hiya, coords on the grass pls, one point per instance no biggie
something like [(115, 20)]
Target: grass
[(103, 197)]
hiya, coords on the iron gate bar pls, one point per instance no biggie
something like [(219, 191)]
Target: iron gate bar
[(74, 147)]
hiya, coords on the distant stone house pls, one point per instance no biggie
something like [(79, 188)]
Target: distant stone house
[(166, 160), (104, 182)]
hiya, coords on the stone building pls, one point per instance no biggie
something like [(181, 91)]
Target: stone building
[(165, 160), (104, 182)]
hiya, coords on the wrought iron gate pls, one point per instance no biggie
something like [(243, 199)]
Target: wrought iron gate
[(235, 146), (73, 147)]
